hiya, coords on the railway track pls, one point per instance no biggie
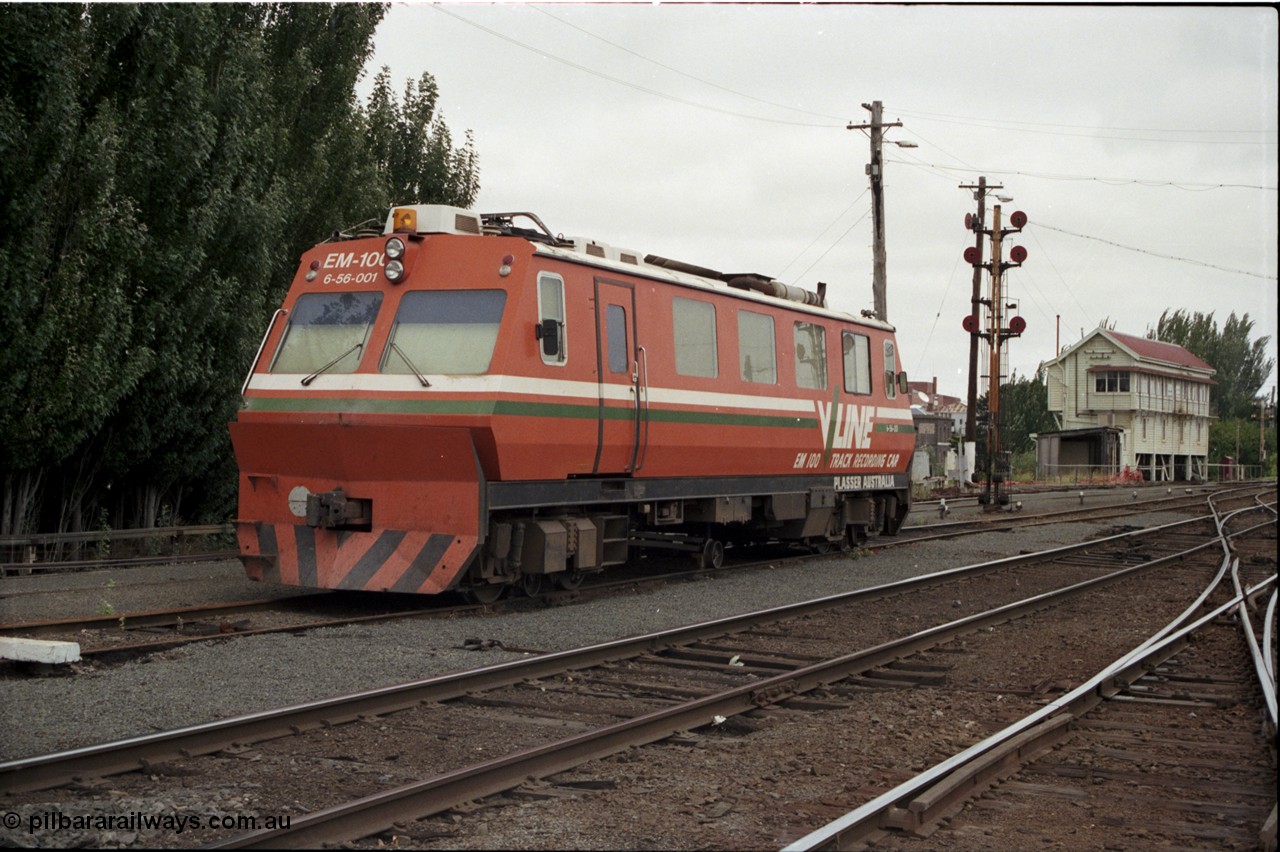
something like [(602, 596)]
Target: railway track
[(1171, 745), (772, 666), (177, 538), (1113, 509), (128, 635)]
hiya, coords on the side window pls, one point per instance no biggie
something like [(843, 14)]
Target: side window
[(857, 363), (890, 370), (616, 329), (694, 331), (811, 356), (551, 307), (757, 358)]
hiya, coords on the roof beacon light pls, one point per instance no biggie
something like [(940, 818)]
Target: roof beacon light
[(404, 220)]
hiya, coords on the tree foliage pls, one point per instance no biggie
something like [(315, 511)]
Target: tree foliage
[(1242, 364), (1024, 411), (161, 169)]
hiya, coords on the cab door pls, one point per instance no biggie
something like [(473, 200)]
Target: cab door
[(618, 371)]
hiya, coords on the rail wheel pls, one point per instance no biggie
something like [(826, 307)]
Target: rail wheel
[(531, 584), (712, 554), (486, 594), (569, 580)]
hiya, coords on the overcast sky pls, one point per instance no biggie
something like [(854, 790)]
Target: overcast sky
[(716, 134)]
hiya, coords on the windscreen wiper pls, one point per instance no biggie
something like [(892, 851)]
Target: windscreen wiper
[(416, 371), (309, 379)]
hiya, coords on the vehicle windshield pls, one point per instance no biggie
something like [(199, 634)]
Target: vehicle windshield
[(444, 331), (326, 333)]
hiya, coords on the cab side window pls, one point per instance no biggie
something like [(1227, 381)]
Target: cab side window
[(811, 356), (890, 370), (551, 319), (857, 362)]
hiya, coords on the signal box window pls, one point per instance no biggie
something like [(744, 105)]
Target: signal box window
[(694, 332), (890, 370), (811, 356), (857, 362), (551, 310), (327, 332), (444, 331), (756, 352), (1111, 381)]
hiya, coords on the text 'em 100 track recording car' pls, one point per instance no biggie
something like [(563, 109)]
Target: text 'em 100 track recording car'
[(460, 402)]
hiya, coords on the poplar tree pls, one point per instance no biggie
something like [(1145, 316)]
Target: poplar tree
[(1242, 364), (161, 169)]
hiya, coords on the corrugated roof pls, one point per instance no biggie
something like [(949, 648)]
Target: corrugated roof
[(1157, 350)]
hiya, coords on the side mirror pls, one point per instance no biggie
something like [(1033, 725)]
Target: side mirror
[(548, 331), (903, 387)]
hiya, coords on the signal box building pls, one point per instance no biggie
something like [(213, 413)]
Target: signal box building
[(1126, 402)]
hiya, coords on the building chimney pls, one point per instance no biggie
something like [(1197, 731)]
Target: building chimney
[(933, 395)]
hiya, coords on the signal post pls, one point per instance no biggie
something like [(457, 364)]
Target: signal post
[(995, 333)]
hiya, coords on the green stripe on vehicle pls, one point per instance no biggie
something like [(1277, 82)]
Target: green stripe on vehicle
[(573, 411)]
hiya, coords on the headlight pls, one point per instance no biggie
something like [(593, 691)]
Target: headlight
[(394, 270), (395, 248)]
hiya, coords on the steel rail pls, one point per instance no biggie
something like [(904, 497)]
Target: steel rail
[(925, 798), (914, 802), (1268, 639), (146, 618), (132, 754), (1266, 680), (94, 536), (15, 569), (924, 532), (371, 814)]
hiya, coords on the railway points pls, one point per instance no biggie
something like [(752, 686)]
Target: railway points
[(488, 815)]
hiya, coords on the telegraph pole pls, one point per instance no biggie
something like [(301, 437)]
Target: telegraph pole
[(876, 170), (971, 412)]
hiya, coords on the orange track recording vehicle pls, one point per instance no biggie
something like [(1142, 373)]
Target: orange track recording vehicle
[(467, 402)]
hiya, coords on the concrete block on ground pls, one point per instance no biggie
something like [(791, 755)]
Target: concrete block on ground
[(38, 650)]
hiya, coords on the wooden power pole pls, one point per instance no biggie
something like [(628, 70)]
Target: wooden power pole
[(876, 171)]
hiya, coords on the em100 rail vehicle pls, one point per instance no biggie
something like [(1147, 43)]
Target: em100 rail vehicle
[(468, 402)]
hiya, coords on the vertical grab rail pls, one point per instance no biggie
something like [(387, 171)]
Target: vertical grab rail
[(261, 346), (642, 408)]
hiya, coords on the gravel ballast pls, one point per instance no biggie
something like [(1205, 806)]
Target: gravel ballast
[(208, 681)]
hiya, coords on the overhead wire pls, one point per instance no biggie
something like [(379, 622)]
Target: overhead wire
[(1156, 254), (1017, 126), (1191, 186), (674, 70), (961, 118), (617, 80), (814, 242), (1049, 259), (946, 291), (1058, 130), (837, 242)]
